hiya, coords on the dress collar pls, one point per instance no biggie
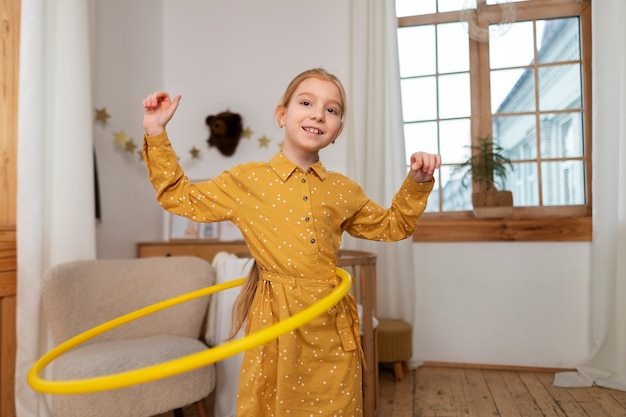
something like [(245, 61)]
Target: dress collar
[(283, 167)]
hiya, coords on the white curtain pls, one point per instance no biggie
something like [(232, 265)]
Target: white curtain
[(606, 366), (376, 157), (55, 196)]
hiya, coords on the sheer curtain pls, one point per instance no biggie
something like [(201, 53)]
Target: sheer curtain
[(606, 366), (376, 143), (55, 167)]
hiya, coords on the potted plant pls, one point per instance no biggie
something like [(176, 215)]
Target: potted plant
[(486, 165)]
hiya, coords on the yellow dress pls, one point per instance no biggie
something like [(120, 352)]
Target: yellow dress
[(292, 222)]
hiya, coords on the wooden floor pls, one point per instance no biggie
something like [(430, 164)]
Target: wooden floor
[(455, 392), (432, 391)]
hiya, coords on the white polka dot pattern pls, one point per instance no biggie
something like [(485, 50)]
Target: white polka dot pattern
[(292, 222)]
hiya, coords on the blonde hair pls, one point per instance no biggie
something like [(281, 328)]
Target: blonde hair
[(243, 302)]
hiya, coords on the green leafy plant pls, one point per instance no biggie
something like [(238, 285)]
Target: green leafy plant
[(486, 164)]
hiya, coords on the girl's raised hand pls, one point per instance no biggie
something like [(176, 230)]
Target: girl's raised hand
[(159, 108), (423, 166)]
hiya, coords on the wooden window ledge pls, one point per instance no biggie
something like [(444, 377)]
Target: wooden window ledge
[(469, 229)]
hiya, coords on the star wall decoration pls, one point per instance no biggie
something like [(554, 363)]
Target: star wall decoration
[(247, 133), (102, 116), (129, 146), (264, 141), (121, 137)]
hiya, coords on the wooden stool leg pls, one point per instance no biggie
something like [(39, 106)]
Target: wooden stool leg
[(200, 408), (405, 366), (397, 371)]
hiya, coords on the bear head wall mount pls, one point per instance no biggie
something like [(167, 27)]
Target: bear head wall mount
[(225, 131)]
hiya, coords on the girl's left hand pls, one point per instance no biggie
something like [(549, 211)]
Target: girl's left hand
[(423, 166)]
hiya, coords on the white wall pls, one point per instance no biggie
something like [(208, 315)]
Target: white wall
[(523, 303), (219, 54), (529, 306), (128, 63)]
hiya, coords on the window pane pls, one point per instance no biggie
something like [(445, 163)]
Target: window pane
[(500, 1), (450, 5), (416, 48), (516, 134), (559, 87), (454, 96), (414, 7), (562, 135), (560, 41), (523, 182), (512, 91), (518, 38), (420, 137), (432, 205), (454, 139), (452, 48), (456, 196), (419, 99), (563, 183), (535, 94)]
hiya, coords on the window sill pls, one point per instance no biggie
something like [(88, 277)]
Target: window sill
[(464, 227)]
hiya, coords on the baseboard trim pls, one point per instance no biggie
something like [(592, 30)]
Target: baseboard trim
[(512, 368)]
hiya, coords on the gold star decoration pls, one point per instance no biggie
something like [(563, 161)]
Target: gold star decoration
[(247, 133), (129, 146), (101, 115), (121, 137), (264, 141)]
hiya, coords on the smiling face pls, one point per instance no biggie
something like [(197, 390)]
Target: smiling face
[(312, 117)]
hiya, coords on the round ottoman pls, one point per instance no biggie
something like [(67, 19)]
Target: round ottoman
[(395, 344)]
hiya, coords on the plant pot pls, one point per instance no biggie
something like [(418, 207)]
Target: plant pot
[(492, 204)]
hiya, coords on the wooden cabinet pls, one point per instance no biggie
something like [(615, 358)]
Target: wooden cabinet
[(9, 75), (360, 265), (199, 248)]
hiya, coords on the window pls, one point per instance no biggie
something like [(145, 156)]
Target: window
[(518, 72)]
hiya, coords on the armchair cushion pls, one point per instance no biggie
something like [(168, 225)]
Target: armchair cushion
[(77, 296)]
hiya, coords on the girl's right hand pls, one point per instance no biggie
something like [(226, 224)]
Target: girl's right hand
[(159, 109)]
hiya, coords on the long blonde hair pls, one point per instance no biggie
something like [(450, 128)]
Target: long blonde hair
[(243, 302)]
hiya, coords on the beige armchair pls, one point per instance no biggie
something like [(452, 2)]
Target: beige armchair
[(77, 296)]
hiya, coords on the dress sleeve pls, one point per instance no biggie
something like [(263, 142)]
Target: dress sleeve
[(397, 222), (206, 201)]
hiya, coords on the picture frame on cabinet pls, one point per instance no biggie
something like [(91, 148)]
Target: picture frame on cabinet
[(182, 228), (229, 232)]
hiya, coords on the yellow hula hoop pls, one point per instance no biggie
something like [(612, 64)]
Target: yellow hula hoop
[(179, 365)]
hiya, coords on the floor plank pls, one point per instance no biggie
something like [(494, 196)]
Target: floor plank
[(479, 394), (562, 396), (457, 391), (542, 397)]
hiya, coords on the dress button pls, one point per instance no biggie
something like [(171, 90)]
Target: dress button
[(306, 219), (303, 180), (305, 198), (312, 240)]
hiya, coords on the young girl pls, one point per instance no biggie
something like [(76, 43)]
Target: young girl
[(292, 213)]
